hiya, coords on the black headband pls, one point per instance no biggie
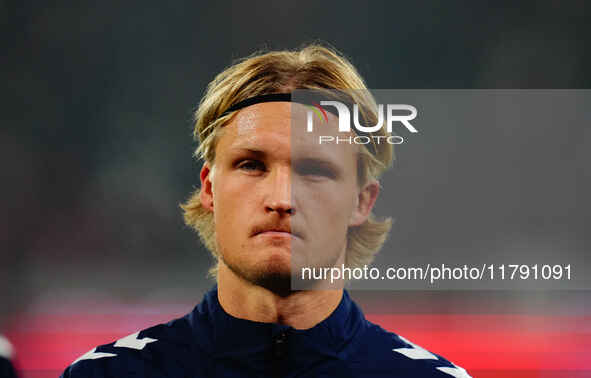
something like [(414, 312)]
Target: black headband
[(274, 97), (284, 97)]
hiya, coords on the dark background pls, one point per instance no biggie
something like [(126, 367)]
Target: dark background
[(96, 148)]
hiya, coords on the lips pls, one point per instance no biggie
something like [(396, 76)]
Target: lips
[(284, 230), (274, 230)]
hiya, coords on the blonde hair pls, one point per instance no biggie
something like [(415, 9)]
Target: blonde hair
[(311, 67)]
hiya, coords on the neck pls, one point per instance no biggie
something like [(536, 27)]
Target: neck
[(299, 309)]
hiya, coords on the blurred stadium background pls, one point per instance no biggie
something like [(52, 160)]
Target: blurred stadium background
[(96, 157)]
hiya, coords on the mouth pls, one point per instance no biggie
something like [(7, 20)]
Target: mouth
[(279, 232), (274, 232)]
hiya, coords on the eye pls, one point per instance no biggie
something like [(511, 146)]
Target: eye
[(315, 170), (251, 165)]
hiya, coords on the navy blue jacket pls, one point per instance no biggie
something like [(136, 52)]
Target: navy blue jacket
[(6, 368), (208, 342)]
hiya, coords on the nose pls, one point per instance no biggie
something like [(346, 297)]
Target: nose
[(278, 198)]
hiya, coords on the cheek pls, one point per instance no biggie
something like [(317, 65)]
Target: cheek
[(224, 197), (327, 206), (226, 188), (234, 201)]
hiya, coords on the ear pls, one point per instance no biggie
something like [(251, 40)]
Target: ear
[(206, 192), (365, 201)]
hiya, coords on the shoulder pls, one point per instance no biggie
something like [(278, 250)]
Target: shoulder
[(396, 354), (148, 353), (6, 353)]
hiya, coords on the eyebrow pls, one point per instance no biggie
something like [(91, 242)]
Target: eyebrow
[(253, 151), (233, 152)]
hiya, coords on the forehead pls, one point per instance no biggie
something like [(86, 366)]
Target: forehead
[(270, 117), (281, 127)]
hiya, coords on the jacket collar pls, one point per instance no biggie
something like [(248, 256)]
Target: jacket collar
[(228, 336)]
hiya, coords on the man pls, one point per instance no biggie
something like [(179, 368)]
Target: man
[(271, 203)]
